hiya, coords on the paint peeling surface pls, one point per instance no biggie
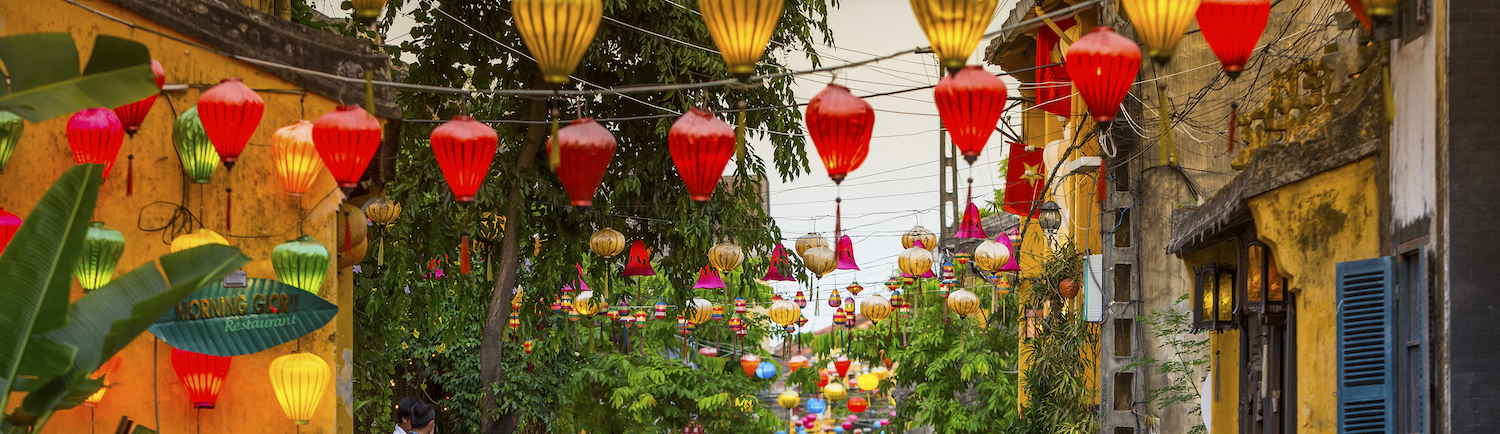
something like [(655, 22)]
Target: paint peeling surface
[(1414, 132)]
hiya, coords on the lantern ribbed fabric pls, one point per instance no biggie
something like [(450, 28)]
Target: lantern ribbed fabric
[(1159, 24), (11, 127), (1103, 65), (201, 374), (296, 158), (368, 11), (701, 145), (779, 263), (382, 210), (1232, 28), (919, 234), (199, 159), (915, 260), (703, 311), (845, 253), (840, 125), (812, 239), (820, 260), (299, 380), (971, 225), (876, 308), (784, 312), (9, 223), (347, 139), (842, 364), (788, 399), (585, 148), (585, 304), (726, 256), (858, 404), (199, 238), (108, 373), (102, 248), (557, 32), (970, 103), (230, 112), (748, 363), (302, 263), (708, 279), (131, 115), (639, 261), (991, 255), (464, 149), (954, 27), (963, 302), (607, 242), (835, 391), (95, 135), (741, 29)]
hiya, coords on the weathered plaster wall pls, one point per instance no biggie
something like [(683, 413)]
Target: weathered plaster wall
[(1413, 183), (1224, 354), (263, 216)]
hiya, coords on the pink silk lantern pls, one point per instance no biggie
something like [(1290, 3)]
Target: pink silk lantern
[(1012, 265), (96, 135), (778, 259), (709, 279), (970, 226), (845, 253), (9, 224), (577, 285), (639, 263)]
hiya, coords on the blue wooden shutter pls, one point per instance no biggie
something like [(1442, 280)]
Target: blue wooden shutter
[(1366, 353)]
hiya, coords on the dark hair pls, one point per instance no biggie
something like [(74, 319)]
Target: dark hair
[(403, 408), (422, 415)]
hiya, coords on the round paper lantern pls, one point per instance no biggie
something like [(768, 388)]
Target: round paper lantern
[(963, 302), (9, 223), (107, 373), (1102, 65), (915, 261), (368, 11), (834, 392), (916, 234), (970, 103), (784, 312), (347, 139), (954, 27), (95, 135), (991, 255), (353, 240), (700, 144), (199, 159), (1159, 24), (1067, 288), (766, 370), (868, 382), (585, 304), (809, 241), (557, 32), (876, 308), (11, 127), (858, 404), (201, 374), (788, 399), (840, 125), (585, 149), (302, 263), (464, 149), (748, 363), (382, 210), (296, 158), (102, 248), (1232, 28), (299, 380), (607, 242), (230, 113), (815, 406), (820, 260), (741, 29), (726, 256), (703, 311), (131, 115), (197, 238)]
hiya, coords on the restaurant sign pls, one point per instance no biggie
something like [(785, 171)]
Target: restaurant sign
[(234, 321)]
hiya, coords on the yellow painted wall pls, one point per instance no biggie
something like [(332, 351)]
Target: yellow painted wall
[(1224, 348), (263, 216)]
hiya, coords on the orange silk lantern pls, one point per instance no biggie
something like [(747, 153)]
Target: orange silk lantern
[(840, 125), (858, 404), (1103, 65), (131, 115), (230, 113), (106, 373), (201, 374), (464, 149), (701, 145), (970, 103), (584, 149), (347, 139), (748, 363), (297, 161)]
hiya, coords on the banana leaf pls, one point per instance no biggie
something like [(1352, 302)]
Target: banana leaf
[(45, 81)]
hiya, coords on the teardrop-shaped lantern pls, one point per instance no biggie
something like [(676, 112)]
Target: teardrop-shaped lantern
[(784, 312), (800, 299), (198, 238), (701, 145), (970, 103), (845, 253), (741, 29), (991, 255), (639, 262), (230, 112), (464, 149), (726, 256), (586, 148), (780, 266), (876, 308), (108, 373), (919, 234), (102, 248), (347, 139), (202, 375), (1159, 24), (840, 125), (963, 302), (302, 263), (915, 260), (1232, 28), (708, 279), (11, 127), (382, 210), (812, 239), (299, 380), (95, 135), (557, 32), (199, 159), (607, 242), (839, 316), (820, 260), (368, 11), (1103, 65), (296, 158), (131, 115), (834, 299), (971, 226), (954, 27), (9, 223)]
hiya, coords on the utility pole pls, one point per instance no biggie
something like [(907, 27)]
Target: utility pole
[(947, 186)]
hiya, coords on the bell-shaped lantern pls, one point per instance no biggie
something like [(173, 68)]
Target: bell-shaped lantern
[(198, 238), (820, 260), (841, 365), (302, 263), (584, 148), (9, 223), (11, 127), (1232, 28), (845, 253), (107, 373), (954, 28), (726, 256), (840, 125), (368, 11), (919, 234), (382, 210), (607, 242), (778, 263), (809, 241), (102, 248), (709, 279), (1103, 65), (639, 262), (970, 103), (347, 139), (915, 260), (971, 226), (230, 113), (991, 255), (1011, 248), (741, 29), (95, 135), (701, 145), (876, 308), (299, 380), (464, 149), (131, 115), (201, 374), (296, 158), (199, 159), (557, 32), (1159, 24), (963, 302)]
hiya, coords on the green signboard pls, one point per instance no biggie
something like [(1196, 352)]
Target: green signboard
[(234, 321)]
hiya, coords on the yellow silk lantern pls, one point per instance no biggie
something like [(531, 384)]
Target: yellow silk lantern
[(785, 312), (809, 241), (607, 242), (834, 391), (915, 261), (1380, 8), (585, 304), (919, 233), (1160, 24), (954, 27), (382, 210), (869, 381), (788, 399), (299, 380), (726, 256), (199, 238), (297, 160), (106, 373), (875, 308), (963, 302), (991, 255), (703, 311), (368, 11), (557, 32), (741, 29), (820, 260)]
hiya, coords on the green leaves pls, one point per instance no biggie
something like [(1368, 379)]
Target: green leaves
[(45, 81)]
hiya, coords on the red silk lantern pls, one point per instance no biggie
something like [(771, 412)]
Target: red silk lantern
[(639, 262), (701, 145), (347, 139), (840, 125), (585, 149), (131, 115), (201, 374), (464, 149), (9, 224), (95, 135), (842, 365), (858, 404), (1232, 27), (971, 225), (970, 102), (1103, 65), (845, 252), (778, 261), (230, 113)]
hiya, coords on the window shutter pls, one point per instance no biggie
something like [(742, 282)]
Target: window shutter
[(1093, 288), (1366, 355)]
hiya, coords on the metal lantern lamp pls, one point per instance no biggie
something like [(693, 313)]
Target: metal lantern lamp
[(557, 32), (741, 29), (954, 28), (347, 139), (11, 127), (1213, 298), (1265, 287), (1050, 217), (582, 152), (840, 125), (95, 135), (102, 248), (701, 145), (299, 380), (201, 374), (1103, 65), (1160, 24), (464, 149), (302, 263), (230, 113), (296, 158)]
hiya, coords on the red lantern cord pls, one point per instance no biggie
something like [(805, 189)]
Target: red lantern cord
[(463, 253), (129, 175), (840, 125), (1232, 28), (230, 113), (970, 103), (1103, 65)]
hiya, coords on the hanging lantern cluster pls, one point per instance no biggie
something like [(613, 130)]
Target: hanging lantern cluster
[(1103, 65), (296, 158), (202, 375), (464, 149), (302, 263), (840, 125), (557, 32), (95, 135), (701, 146), (741, 29), (954, 28), (199, 159), (580, 153), (299, 380), (230, 113), (970, 102), (102, 248), (346, 139), (131, 115)]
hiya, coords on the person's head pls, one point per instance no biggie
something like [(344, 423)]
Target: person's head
[(403, 412), (421, 420)]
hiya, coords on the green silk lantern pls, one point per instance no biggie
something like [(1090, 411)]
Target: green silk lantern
[(11, 127), (199, 159), (102, 248), (302, 263)]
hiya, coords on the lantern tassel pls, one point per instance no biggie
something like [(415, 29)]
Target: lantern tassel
[(228, 208), (739, 135), (463, 253), (554, 154), (380, 254), (130, 173)]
